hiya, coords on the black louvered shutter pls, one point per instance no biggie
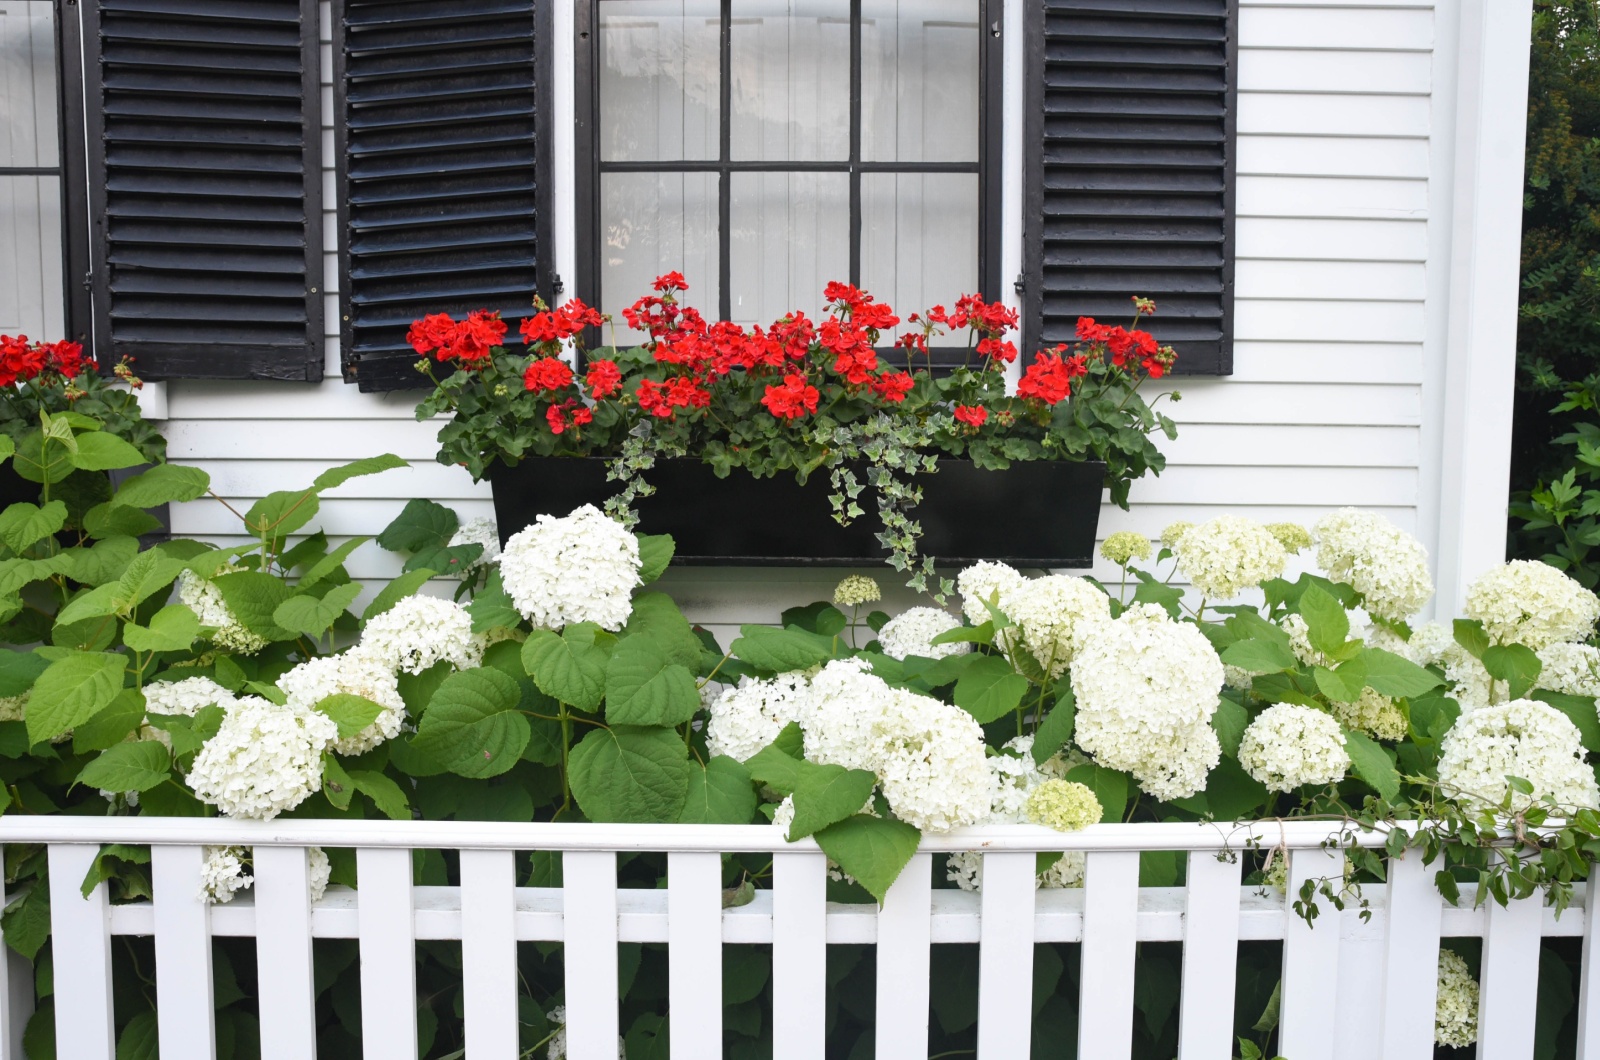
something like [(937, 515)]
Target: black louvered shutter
[(443, 170), (204, 188), (1129, 183)]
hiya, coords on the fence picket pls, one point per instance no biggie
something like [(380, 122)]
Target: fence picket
[(80, 947), (287, 996), (1589, 976), (1005, 956), (1110, 922), (904, 935), (386, 921), (1210, 955), (799, 955), (589, 949), (1411, 959), (489, 952), (1310, 1001), (694, 953), (16, 992), (1509, 981), (185, 1015)]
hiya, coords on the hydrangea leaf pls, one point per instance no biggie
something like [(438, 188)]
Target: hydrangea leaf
[(147, 574), (1229, 722), (1232, 794), (1372, 764), (656, 616), (71, 691), (254, 598), (385, 794), (333, 561), (824, 794), (311, 615), (108, 520), (781, 650), (1515, 664), (1342, 684), (450, 560), (491, 606), (1260, 656), (350, 713), (23, 524), (570, 667), (102, 562), (173, 628), (1057, 727), (719, 793), (281, 513), (162, 484), (643, 688), (630, 774), (405, 585), (873, 850), (93, 603), (1390, 675), (990, 689), (983, 634), (778, 765), (421, 524), (27, 920), (1327, 622), (337, 787), (1470, 635), (1110, 788), (472, 726), (19, 670), (371, 465), (1581, 709), (655, 554), (37, 462), (935, 673), (137, 766), (104, 451), (820, 617)]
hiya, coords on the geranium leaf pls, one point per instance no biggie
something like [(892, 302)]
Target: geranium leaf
[(631, 775), (719, 793), (874, 850)]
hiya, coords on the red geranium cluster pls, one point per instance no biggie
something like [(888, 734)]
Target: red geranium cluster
[(1049, 378), (21, 359), (559, 324), (467, 342), (1126, 345), (793, 399), (570, 412)]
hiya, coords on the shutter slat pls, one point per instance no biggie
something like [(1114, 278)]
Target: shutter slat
[(1130, 186), (442, 138), (205, 186)]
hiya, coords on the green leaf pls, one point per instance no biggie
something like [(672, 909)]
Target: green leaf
[(1327, 622), (643, 688), (281, 513), (337, 786), (828, 793), (1232, 794), (1260, 656), (1110, 788), (820, 617), (630, 775), (491, 606), (23, 524), (719, 793), (110, 520), (656, 617), (93, 603), (449, 561), (1515, 664), (38, 462), (1470, 635), (874, 850), (137, 766), (104, 451), (254, 598), (330, 563), (1342, 684), (570, 667), (162, 484), (385, 794), (350, 713), (147, 574), (1372, 764), (990, 689), (338, 476), (71, 691), (983, 634), (8, 446), (472, 726), (311, 615), (1581, 709), (421, 524), (27, 920), (405, 585), (103, 562), (138, 1040), (655, 553), (1230, 721), (1057, 727), (19, 670), (781, 650), (173, 628), (776, 765), (1390, 675)]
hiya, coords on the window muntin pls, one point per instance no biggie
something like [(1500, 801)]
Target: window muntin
[(32, 299)]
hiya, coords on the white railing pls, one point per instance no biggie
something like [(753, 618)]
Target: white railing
[(1351, 988)]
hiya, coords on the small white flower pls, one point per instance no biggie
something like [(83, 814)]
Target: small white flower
[(14, 708), (912, 633), (320, 869), (351, 673), (1224, 556), (1386, 565), (1434, 644), (579, 568), (1288, 746), (749, 716), (1455, 1019), (984, 583), (1374, 714), (222, 875), (263, 760), (1531, 603), (186, 697), (1572, 669), (480, 531), (1523, 738), (205, 600), (420, 631), (1055, 616)]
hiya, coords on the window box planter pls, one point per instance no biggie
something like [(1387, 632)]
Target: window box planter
[(1034, 514)]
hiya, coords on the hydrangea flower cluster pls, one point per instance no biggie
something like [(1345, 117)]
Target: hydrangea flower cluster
[(1434, 644), (1572, 669), (1125, 546), (205, 600), (353, 673), (856, 589), (1531, 603), (263, 760), (1064, 805), (1523, 738), (911, 633), (1374, 714), (1055, 616), (1288, 746), (747, 717), (581, 567), (186, 697), (1016, 777), (1146, 689), (479, 531), (1455, 1014), (1292, 536), (982, 584), (418, 632), (1224, 556), (1386, 565), (14, 708), (223, 875)]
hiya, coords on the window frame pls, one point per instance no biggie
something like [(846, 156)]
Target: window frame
[(589, 167)]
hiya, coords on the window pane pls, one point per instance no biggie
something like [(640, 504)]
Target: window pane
[(791, 80), (919, 238), (659, 79), (919, 80), (790, 236), (651, 223), (31, 297)]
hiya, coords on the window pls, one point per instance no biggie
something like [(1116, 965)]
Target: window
[(765, 147), (30, 173)]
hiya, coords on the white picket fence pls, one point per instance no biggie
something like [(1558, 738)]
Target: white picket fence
[(1351, 988)]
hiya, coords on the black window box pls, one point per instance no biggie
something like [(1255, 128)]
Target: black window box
[(1034, 514)]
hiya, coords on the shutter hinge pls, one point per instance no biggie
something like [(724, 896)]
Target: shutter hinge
[(556, 285), (88, 280), (1021, 286)]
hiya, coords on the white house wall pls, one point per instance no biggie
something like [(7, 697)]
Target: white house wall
[(1324, 407)]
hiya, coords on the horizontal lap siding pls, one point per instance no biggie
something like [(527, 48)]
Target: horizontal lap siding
[(1323, 408)]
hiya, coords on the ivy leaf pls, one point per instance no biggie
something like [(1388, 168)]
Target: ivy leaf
[(1372, 764), (253, 598), (1110, 788), (630, 774), (350, 713), (1260, 656), (1391, 675), (655, 553), (162, 484), (173, 628), (825, 794), (719, 793), (405, 585), (308, 614), (990, 689), (472, 726), (338, 476), (137, 766), (1057, 727), (781, 650), (874, 850), (71, 691), (421, 524), (570, 667), (1515, 664), (23, 524)]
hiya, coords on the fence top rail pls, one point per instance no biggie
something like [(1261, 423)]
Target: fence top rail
[(483, 835)]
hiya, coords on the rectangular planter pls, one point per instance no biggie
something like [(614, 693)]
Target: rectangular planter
[(1034, 514)]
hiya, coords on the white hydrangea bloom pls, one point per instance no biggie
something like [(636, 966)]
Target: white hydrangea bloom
[(1146, 689), (420, 631), (1531, 603), (837, 716), (1224, 556), (579, 568), (352, 673), (479, 531), (1055, 616), (264, 759), (186, 697), (985, 583), (749, 716), (1374, 714), (1572, 669), (14, 708), (1288, 746), (1015, 776), (1455, 1018), (1386, 565), (320, 869), (783, 816), (558, 1042), (222, 875), (912, 633), (1523, 738), (1383, 637), (1300, 641), (1434, 644), (205, 600)]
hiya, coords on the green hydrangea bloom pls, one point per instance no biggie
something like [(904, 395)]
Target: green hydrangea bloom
[(1125, 545), (856, 590), (1292, 536), (1064, 805)]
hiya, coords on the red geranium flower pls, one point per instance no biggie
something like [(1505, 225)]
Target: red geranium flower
[(65, 357), (791, 400), (604, 378), (999, 348), (547, 374), (670, 281), (893, 386), (875, 315), (972, 415), (558, 416), (1049, 378), (430, 333)]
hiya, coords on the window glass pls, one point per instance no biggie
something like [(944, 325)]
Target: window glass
[(31, 295), (660, 79), (790, 66), (790, 236), (919, 80), (919, 238), (656, 223)]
